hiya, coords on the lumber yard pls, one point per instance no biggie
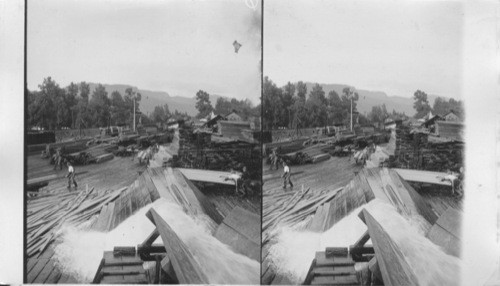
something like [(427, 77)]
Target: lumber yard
[(378, 208), (159, 210)]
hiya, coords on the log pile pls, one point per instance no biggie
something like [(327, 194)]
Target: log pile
[(46, 214), (95, 154), (415, 151), (313, 154), (198, 154)]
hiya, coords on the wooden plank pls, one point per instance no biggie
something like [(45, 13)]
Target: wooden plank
[(44, 274), (31, 263), (422, 207), (245, 223), (238, 242), (393, 265), (134, 279), (446, 232), (54, 276), (188, 197), (421, 176), (43, 179), (335, 280), (208, 207), (135, 271), (40, 264), (187, 269), (208, 176), (322, 260), (334, 270), (451, 221)]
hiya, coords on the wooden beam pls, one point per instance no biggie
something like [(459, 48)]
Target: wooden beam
[(186, 268), (421, 176), (217, 177), (393, 265)]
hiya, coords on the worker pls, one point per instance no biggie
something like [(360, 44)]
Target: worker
[(71, 176), (452, 178), (242, 182), (286, 176)]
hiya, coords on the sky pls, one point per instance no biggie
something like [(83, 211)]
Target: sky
[(391, 46), (175, 46)]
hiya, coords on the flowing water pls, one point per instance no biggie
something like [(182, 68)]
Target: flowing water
[(79, 251), (428, 261), (295, 264)]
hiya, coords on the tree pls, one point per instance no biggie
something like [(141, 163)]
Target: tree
[(272, 105), (336, 111), (71, 101), (158, 114), (288, 94), (316, 106), (45, 113), (120, 112), (301, 90), (203, 104), (84, 117), (99, 106), (421, 104), (222, 106), (442, 107), (378, 114)]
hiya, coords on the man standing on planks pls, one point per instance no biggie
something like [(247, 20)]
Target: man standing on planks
[(286, 176), (71, 176)]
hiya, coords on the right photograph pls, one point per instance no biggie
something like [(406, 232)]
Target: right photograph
[(363, 145)]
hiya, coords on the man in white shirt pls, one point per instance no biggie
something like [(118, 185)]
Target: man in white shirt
[(71, 176), (286, 176)]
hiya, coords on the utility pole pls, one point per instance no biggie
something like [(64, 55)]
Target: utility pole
[(133, 127), (351, 92), (351, 113)]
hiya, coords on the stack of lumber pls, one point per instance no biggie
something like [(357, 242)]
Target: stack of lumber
[(95, 154), (68, 146), (47, 213), (313, 154), (285, 146), (194, 154), (415, 151)]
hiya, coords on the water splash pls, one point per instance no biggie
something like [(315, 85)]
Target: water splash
[(428, 261), (295, 264), (79, 251)]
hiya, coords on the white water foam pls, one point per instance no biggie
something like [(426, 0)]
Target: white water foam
[(294, 250), (428, 262), (79, 251)]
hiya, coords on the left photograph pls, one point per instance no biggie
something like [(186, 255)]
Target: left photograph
[(142, 132)]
